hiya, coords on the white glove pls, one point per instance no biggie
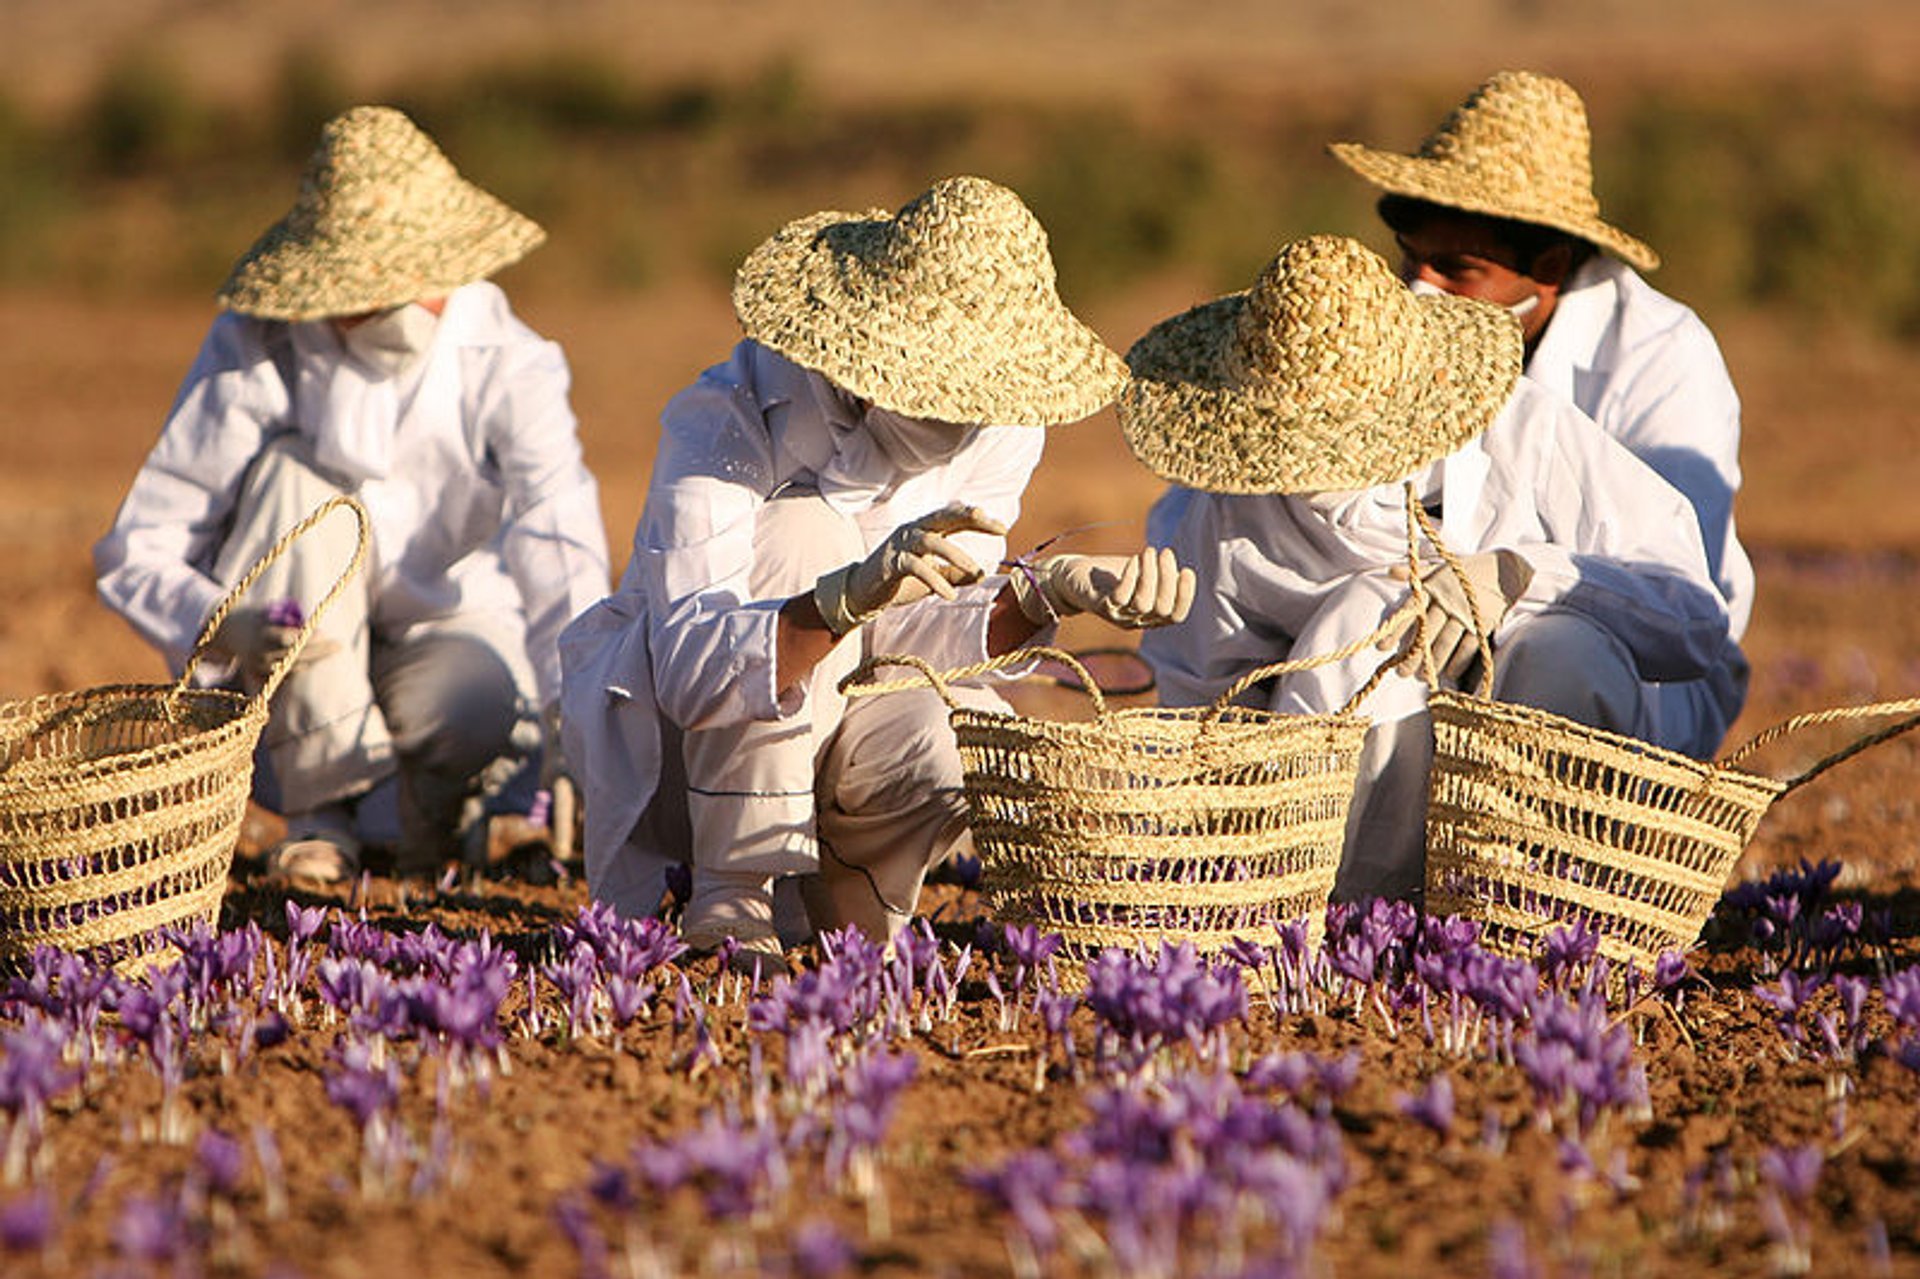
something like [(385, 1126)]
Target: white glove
[(914, 561), (257, 645), (1498, 577), (1130, 591)]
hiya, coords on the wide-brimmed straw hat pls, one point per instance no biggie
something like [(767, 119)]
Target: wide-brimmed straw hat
[(1517, 148), (382, 219), (1328, 374), (946, 310)]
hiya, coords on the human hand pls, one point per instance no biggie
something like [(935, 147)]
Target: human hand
[(916, 560), (1132, 591), (1498, 578), (257, 641)]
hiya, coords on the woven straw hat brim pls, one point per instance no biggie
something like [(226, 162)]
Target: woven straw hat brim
[(1458, 187), (1191, 420), (294, 273), (1009, 353)]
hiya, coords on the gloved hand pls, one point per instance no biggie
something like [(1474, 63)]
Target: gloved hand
[(556, 779), (553, 751), (914, 561), (1132, 591), (256, 644), (1499, 578)]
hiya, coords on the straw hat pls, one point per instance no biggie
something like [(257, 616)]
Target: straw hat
[(946, 310), (1328, 374), (1517, 148), (382, 220)]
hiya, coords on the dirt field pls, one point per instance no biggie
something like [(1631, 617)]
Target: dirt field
[(1689, 1184)]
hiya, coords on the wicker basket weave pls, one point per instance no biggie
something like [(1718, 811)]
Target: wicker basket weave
[(120, 805), (1145, 825), (1536, 822)]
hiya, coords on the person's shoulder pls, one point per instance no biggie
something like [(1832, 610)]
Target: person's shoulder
[(1534, 417), (241, 343), (481, 315), (1646, 316)]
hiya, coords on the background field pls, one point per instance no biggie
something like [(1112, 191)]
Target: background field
[(1769, 148)]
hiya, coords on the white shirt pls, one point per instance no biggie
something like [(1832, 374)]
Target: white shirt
[(682, 637), (480, 500), (1648, 371), (1606, 538)]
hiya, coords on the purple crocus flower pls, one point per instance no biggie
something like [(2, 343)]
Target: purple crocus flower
[(220, 1162), (1432, 1108), (151, 1230), (29, 1223), (821, 1252), (1793, 1171), (1900, 992)]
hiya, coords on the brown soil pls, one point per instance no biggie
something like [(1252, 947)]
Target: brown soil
[(1827, 510)]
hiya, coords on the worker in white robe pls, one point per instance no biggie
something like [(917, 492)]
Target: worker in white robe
[(1498, 204), (839, 488), (361, 350), (1294, 421)]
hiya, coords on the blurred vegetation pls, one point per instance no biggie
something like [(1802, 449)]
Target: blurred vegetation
[(1799, 197)]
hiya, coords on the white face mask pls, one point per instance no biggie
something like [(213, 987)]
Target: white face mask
[(1518, 310), (391, 342), (915, 444)]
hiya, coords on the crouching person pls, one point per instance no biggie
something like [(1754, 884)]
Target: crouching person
[(1292, 420), (840, 487), (361, 350)]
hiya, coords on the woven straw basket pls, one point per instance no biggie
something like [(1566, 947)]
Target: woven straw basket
[(1145, 825), (1536, 822), (120, 805)]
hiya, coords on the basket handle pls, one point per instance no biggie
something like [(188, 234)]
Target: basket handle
[(1419, 522), (856, 683), (238, 592), (1393, 625), (1909, 707)]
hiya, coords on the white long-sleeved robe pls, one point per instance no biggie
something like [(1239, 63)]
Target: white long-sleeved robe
[(1607, 538), (486, 503), (1647, 370), (682, 639)]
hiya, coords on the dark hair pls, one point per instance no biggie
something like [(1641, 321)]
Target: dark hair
[(1528, 240)]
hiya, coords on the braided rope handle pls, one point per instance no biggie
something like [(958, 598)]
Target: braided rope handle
[(1909, 707), (1395, 622), (238, 592), (855, 685), (1418, 522)]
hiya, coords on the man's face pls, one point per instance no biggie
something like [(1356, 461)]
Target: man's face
[(1460, 254)]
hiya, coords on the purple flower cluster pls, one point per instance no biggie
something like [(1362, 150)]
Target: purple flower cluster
[(33, 1071), (1791, 917), (1146, 1004), (603, 967), (1159, 1170), (1579, 1062)]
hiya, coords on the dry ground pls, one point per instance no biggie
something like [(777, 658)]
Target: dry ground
[(1827, 509)]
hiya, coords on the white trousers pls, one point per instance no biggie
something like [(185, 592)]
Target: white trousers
[(445, 704), (860, 798), (1562, 662)]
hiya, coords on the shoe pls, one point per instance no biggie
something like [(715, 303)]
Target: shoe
[(317, 859), (510, 846)]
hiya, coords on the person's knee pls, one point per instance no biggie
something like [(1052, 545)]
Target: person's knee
[(453, 707), (1572, 666), (900, 754)]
